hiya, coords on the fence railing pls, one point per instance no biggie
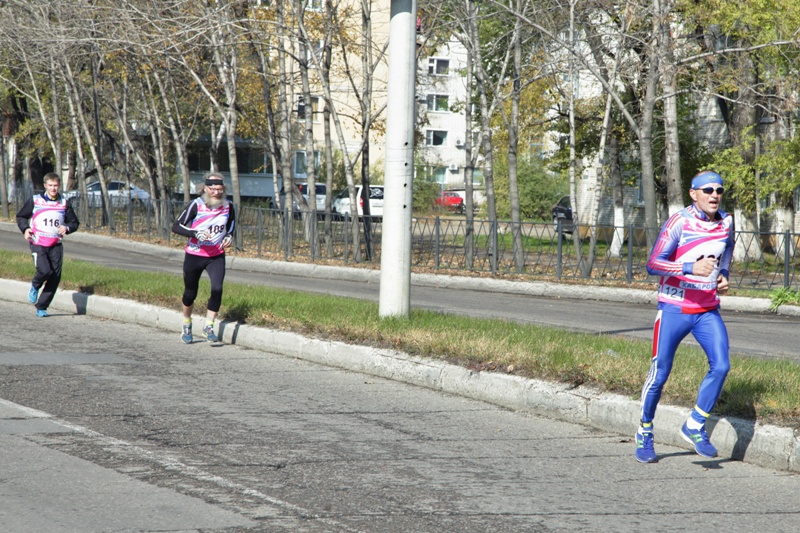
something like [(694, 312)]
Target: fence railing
[(763, 261)]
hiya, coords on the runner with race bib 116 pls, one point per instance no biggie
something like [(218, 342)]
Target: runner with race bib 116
[(45, 220)]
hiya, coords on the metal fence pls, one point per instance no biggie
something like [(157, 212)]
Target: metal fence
[(764, 261)]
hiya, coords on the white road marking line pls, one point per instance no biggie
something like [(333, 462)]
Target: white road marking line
[(177, 466)]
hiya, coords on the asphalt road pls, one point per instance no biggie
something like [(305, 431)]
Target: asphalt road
[(107, 426), (762, 335)]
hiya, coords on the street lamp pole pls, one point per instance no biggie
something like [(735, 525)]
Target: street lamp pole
[(395, 290)]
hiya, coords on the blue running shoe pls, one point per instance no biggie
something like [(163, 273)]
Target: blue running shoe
[(208, 332), (41, 313), (186, 336), (33, 295), (645, 452), (699, 439)]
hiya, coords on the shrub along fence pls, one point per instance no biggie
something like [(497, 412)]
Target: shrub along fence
[(763, 261)]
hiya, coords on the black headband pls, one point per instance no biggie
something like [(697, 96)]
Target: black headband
[(214, 180)]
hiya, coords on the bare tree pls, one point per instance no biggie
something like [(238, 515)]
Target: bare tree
[(363, 92), (74, 94), (325, 77), (513, 141), (305, 49), (35, 57), (209, 36), (284, 52), (644, 76)]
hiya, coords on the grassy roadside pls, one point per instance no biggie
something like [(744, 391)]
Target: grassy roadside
[(768, 391)]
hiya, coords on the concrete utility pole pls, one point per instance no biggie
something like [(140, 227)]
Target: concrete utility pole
[(395, 292)]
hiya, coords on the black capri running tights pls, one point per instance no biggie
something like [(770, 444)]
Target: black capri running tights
[(193, 266)]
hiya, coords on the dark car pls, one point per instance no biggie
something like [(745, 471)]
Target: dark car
[(563, 211)]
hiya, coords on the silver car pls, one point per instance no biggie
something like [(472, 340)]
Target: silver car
[(120, 194)]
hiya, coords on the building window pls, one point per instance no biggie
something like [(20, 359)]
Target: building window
[(639, 196), (438, 102), (317, 47), (301, 109), (440, 176), (300, 162), (249, 161), (476, 138), (199, 159), (431, 174), (435, 137), (438, 67)]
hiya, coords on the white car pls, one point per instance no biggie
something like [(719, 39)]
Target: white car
[(119, 193), (320, 196), (341, 205)]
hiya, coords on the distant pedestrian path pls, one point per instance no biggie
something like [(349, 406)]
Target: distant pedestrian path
[(536, 250)]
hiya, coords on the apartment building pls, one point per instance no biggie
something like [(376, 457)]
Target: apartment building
[(441, 97)]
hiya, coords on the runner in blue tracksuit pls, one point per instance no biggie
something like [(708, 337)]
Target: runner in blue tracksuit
[(692, 256)]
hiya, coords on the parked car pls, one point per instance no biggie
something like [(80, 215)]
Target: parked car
[(320, 194), (451, 201), (119, 193), (341, 205), (563, 211)]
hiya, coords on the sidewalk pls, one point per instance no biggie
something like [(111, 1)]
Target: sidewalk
[(763, 445)]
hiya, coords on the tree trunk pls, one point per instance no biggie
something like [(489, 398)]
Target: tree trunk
[(470, 154), (513, 145), (274, 142), (486, 145), (310, 206), (573, 163), (91, 142), (366, 106), (158, 142), (3, 178), (743, 117), (58, 162), (645, 139), (329, 170), (672, 170), (615, 250), (79, 163), (285, 106), (179, 140), (232, 159)]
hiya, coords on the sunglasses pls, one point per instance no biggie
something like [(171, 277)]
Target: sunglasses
[(709, 190)]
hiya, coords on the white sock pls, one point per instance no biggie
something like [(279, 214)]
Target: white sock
[(693, 424)]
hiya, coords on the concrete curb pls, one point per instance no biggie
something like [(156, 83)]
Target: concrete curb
[(763, 445)]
